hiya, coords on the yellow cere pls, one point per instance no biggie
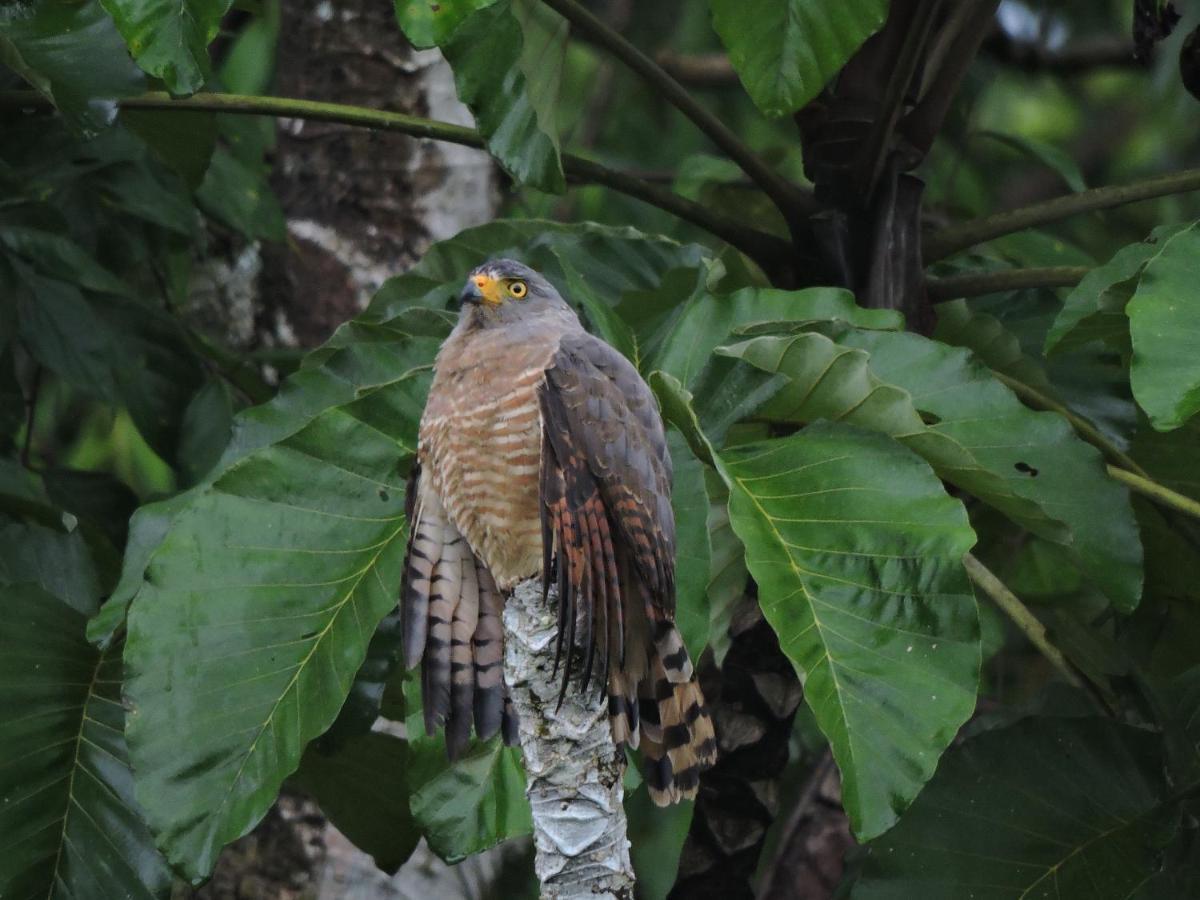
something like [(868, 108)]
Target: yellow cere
[(489, 288)]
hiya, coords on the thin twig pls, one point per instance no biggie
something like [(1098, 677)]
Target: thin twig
[(792, 201), (1160, 494), (975, 284), (764, 248), (946, 241), (31, 414)]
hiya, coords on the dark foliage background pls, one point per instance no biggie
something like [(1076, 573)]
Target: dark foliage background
[(915, 284)]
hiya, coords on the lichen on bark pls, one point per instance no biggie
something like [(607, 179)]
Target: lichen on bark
[(573, 770)]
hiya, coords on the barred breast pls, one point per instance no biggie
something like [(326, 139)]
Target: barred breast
[(481, 441)]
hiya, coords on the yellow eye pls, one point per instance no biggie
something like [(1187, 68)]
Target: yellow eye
[(518, 289)]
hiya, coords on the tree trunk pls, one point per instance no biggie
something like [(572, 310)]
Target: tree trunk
[(572, 769)]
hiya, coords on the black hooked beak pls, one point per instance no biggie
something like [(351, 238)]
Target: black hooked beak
[(470, 294)]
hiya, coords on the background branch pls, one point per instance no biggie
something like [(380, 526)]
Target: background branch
[(946, 241), (764, 248), (1029, 624), (975, 284), (791, 199)]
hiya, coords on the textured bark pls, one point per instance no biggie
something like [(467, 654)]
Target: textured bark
[(572, 769)]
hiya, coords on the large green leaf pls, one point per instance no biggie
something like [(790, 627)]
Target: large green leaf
[(71, 53), (689, 502), (265, 593), (708, 320), (69, 822), (1095, 308), (170, 38), (507, 59), (1164, 326), (857, 553), (1027, 464), (785, 51), (1044, 808)]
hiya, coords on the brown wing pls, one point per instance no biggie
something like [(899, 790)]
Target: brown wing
[(608, 529)]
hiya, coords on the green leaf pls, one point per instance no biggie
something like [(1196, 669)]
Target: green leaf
[(430, 23), (57, 562), (857, 553), (205, 430), (1027, 464), (689, 501), (183, 140), (656, 838), (472, 804), (72, 54), (170, 38), (70, 824), (1052, 157), (1164, 325), (147, 528), (727, 574), (507, 60), (1045, 808), (1095, 308), (785, 51), (1038, 452), (238, 196), (266, 591), (708, 321), (249, 64), (362, 788)]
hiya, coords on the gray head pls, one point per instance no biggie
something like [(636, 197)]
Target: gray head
[(504, 291)]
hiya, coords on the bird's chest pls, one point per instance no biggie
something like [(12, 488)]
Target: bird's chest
[(481, 441)]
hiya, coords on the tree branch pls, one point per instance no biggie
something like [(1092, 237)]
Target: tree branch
[(1160, 494), (572, 770), (764, 248), (1073, 59), (793, 202), (975, 284), (1029, 625), (946, 241)]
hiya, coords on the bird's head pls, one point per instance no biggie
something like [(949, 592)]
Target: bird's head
[(504, 291)]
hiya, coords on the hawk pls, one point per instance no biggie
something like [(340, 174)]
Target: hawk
[(542, 452)]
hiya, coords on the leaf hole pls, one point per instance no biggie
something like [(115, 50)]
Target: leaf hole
[(1026, 469), (384, 495)]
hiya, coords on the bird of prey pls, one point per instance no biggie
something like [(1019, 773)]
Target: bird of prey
[(542, 452)]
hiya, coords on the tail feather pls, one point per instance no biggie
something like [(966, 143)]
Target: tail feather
[(678, 741), (462, 668), (427, 527), (488, 647), (447, 587)]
